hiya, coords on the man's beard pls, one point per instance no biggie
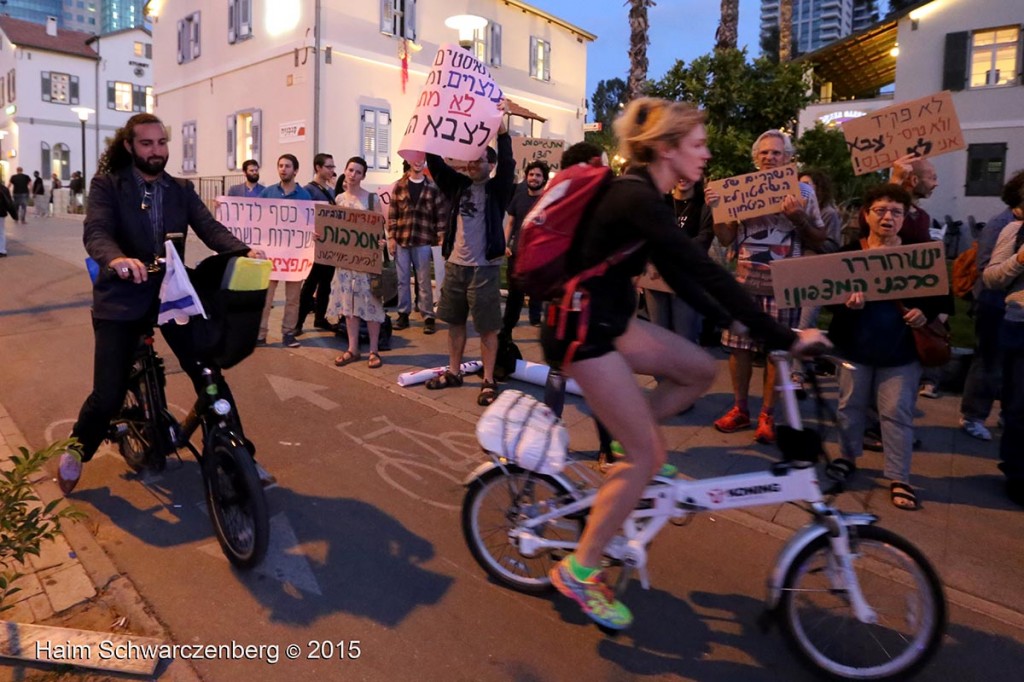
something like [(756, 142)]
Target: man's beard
[(252, 177), (534, 186), (154, 165)]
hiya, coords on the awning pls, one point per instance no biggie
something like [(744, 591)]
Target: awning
[(519, 110)]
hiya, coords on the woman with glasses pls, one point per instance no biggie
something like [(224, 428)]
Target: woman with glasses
[(876, 337)]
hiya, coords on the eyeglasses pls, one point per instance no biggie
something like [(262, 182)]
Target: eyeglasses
[(894, 212), (147, 198)]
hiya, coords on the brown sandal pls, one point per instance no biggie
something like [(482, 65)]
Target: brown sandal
[(445, 380), (346, 358), (374, 360), (488, 394)]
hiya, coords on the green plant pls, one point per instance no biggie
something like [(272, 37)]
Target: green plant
[(25, 522)]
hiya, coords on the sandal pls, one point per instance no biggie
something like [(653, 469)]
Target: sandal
[(841, 469), (488, 394), (374, 360), (445, 380), (346, 358), (903, 497)]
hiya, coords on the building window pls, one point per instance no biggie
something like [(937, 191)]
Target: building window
[(540, 59), (244, 137), (3, 92), (45, 160), (11, 91), (188, 38), (144, 50), (61, 161), (398, 18), (994, 57), (188, 147), (376, 137), (59, 88), (494, 58), (119, 96), (150, 100), (986, 168), (239, 20)]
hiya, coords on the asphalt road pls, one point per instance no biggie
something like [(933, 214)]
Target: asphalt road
[(366, 543)]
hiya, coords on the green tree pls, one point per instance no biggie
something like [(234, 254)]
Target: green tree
[(826, 149), (609, 97)]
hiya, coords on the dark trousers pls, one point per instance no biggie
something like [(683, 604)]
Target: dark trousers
[(514, 305), (316, 292), (983, 378), (1011, 450), (116, 342)]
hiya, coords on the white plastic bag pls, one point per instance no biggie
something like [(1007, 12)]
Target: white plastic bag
[(525, 431), (178, 298)]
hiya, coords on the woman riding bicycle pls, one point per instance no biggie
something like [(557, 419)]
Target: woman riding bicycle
[(662, 142)]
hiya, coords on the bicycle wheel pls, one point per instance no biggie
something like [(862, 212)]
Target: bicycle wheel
[(897, 582), (136, 438), (493, 507), (237, 506)]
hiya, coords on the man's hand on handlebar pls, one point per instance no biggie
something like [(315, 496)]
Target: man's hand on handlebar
[(256, 253), (810, 342), (129, 268)]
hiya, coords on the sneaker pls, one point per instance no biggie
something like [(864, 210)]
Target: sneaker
[(261, 342), (290, 341), (975, 428), (322, 323), (605, 460), (69, 471), (765, 432), (734, 420), (928, 390), (593, 596), (267, 479), (429, 326), (402, 322)]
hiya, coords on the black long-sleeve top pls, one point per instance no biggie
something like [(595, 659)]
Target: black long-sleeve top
[(631, 212)]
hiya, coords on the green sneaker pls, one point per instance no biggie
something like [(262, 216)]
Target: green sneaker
[(593, 596), (666, 471)]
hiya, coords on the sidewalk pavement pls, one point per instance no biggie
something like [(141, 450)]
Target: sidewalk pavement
[(967, 527)]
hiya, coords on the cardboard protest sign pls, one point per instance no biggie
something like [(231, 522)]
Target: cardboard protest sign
[(927, 127), (349, 238), (651, 279), (907, 271), (526, 150), (457, 112), (282, 228), (754, 194)]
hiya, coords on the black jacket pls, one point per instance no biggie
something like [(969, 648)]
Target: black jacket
[(116, 226), (499, 193)]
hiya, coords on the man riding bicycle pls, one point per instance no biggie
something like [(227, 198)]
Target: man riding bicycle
[(133, 206)]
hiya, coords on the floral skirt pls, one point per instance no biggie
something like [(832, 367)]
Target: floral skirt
[(351, 297)]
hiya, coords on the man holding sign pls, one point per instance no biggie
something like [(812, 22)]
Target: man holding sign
[(756, 242)]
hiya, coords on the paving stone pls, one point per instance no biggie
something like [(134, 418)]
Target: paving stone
[(67, 586)]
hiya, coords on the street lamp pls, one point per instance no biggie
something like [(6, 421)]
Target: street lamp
[(465, 24), (83, 116)]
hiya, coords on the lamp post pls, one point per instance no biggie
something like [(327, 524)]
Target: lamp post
[(83, 116), (465, 24)]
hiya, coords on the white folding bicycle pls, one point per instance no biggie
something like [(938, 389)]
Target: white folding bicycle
[(855, 601)]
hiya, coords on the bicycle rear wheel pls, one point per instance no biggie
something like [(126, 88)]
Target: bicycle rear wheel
[(236, 503), (135, 437), (897, 582), (494, 506)]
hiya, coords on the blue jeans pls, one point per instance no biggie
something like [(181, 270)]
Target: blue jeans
[(1011, 453), (408, 258), (895, 390), (983, 378)]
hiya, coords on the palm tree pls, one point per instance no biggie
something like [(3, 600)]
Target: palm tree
[(727, 35), (785, 30), (638, 42)]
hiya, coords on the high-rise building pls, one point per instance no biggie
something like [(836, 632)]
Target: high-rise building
[(817, 23), (121, 14), (81, 15), (35, 11)]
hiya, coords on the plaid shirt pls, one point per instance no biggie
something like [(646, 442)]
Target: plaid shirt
[(416, 224)]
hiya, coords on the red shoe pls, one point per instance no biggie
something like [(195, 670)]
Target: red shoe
[(765, 429), (734, 420)]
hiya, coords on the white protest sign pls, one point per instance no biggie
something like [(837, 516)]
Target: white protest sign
[(281, 228), (457, 113)]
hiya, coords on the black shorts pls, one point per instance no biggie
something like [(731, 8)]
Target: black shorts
[(571, 335)]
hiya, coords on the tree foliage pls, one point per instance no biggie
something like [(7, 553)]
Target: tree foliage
[(826, 149), (609, 97)]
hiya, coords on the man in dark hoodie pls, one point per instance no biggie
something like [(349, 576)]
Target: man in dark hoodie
[(474, 246)]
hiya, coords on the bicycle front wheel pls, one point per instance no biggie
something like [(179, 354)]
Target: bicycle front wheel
[(897, 582), (236, 503), (493, 508)]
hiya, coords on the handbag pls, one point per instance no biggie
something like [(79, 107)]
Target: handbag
[(932, 342), (385, 285)]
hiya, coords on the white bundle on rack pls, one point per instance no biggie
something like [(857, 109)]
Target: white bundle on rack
[(524, 431)]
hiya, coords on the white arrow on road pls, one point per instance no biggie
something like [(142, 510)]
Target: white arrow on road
[(286, 389)]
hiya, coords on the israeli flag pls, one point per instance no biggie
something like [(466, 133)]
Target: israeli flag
[(178, 298)]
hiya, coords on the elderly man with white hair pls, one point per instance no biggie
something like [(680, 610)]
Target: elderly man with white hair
[(755, 243)]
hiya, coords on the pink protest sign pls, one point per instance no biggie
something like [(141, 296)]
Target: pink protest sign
[(457, 113)]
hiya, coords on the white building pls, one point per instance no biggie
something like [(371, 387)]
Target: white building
[(970, 47), (239, 79), (46, 73)]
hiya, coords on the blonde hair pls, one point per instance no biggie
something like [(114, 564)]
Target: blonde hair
[(649, 123)]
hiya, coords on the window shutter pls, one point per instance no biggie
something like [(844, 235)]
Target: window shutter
[(3, 91), (383, 140), (244, 18), (232, 133), (149, 50), (954, 67), (73, 90), (257, 134), (195, 35), (138, 98), (12, 91), (388, 16), (409, 20), (533, 57), (46, 86), (547, 61), (181, 40), (232, 19), (495, 44), (369, 137), (111, 94)]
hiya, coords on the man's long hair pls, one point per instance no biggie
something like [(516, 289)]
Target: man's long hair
[(117, 157)]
